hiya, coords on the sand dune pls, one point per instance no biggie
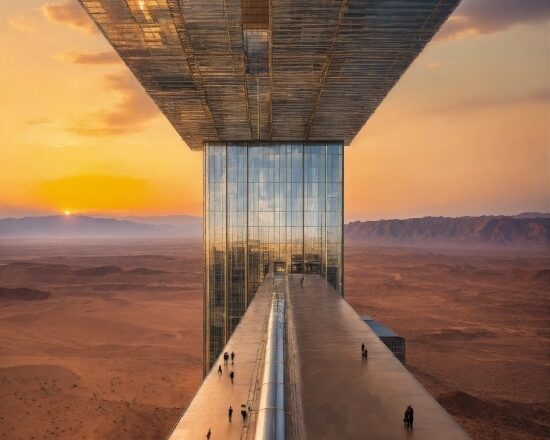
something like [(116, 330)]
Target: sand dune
[(512, 420), (117, 354), (99, 360), (145, 271), (23, 294), (474, 325), (98, 271), (542, 275), (454, 334)]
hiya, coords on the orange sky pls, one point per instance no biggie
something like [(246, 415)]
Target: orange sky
[(465, 131)]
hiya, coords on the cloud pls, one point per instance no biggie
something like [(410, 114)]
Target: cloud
[(93, 58), (474, 17), (38, 121), (541, 97), (70, 14), (134, 109), (21, 23), (433, 65)]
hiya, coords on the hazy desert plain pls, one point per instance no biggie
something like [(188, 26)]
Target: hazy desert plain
[(102, 340)]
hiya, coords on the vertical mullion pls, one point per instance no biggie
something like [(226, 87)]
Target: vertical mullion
[(342, 222), (226, 262), (246, 235), (324, 244), (303, 208), (206, 265)]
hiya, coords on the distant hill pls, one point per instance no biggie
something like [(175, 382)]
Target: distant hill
[(533, 215), (522, 230), (78, 226), (172, 220), (182, 225), (486, 231)]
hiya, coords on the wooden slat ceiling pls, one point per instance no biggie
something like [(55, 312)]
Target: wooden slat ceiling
[(224, 70)]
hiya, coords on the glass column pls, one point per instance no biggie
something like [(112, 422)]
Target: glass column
[(266, 202)]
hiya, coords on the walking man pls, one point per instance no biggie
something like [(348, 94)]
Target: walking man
[(232, 376), (225, 357), (209, 433), (362, 348), (219, 370), (243, 413), (230, 413), (232, 358), (408, 419)]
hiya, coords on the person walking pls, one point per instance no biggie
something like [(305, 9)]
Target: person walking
[(230, 413), (411, 417), (243, 413), (302, 282), (362, 348), (219, 370), (225, 357), (408, 419), (232, 358), (232, 376), (209, 433)]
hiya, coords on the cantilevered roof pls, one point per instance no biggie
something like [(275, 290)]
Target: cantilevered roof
[(225, 70)]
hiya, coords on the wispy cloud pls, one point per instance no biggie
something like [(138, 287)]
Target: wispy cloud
[(433, 65), (70, 14), (38, 121), (92, 58), (541, 97), (474, 17), (134, 109), (21, 23)]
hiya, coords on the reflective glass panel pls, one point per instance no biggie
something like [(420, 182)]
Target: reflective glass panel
[(267, 203)]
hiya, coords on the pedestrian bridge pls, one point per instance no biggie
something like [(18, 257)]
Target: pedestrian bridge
[(323, 386)]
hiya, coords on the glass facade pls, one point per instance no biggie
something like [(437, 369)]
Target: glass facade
[(267, 202)]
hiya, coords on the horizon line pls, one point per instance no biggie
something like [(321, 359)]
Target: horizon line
[(114, 216)]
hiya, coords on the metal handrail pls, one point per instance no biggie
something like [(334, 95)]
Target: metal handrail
[(253, 387), (294, 409), (270, 423)]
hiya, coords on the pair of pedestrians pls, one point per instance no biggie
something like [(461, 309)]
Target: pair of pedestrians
[(231, 374), (226, 358), (244, 413), (408, 418), (225, 361)]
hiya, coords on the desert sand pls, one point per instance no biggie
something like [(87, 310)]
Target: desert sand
[(114, 352), (102, 340), (477, 329)]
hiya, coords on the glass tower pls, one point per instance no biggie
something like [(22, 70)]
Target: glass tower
[(266, 202)]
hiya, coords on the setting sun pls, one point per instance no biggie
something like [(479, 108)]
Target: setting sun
[(67, 212)]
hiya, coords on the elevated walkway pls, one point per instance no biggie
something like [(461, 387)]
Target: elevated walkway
[(208, 409), (330, 390), (345, 396)]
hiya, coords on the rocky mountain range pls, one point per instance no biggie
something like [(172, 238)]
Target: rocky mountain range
[(523, 230), (81, 226)]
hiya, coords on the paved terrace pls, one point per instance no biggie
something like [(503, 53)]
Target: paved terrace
[(343, 395), (208, 409)]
